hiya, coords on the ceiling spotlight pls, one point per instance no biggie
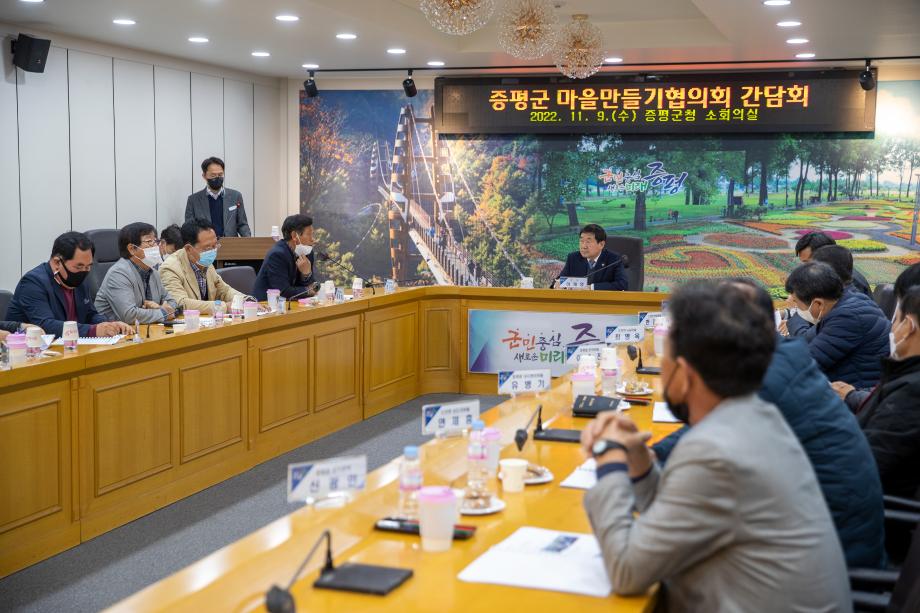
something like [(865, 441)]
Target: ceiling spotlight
[(436, 63), (261, 54), (789, 24), (805, 56), (311, 66), (124, 22), (197, 39), (409, 86), (396, 51), (613, 60), (33, 1), (287, 18), (346, 36), (309, 86), (866, 78), (797, 41), (777, 2)]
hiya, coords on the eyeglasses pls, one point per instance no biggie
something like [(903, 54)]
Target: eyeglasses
[(150, 242), (200, 249)]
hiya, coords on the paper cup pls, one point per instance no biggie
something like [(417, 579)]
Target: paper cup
[(513, 471), (437, 512), (179, 328)]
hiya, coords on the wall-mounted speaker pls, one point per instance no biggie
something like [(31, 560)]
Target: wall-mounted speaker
[(30, 53)]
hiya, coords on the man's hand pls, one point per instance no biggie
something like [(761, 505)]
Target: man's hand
[(615, 427), (783, 328), (27, 326), (150, 304), (170, 311), (111, 328), (304, 266), (842, 389)]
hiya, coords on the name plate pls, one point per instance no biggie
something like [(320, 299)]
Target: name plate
[(314, 480), (647, 320), (576, 283), (619, 335), (448, 417), (524, 381), (574, 352)]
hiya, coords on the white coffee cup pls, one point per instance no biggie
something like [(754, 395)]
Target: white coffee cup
[(513, 471), (437, 512)]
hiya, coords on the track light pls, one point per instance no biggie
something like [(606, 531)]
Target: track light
[(866, 78), (409, 86), (309, 86)]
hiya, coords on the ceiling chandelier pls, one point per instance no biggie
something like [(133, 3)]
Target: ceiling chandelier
[(458, 16), (578, 49), (527, 28)]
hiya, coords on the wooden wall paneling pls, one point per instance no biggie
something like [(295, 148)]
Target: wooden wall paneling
[(390, 357), (439, 351)]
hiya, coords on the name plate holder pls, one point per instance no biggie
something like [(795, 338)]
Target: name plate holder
[(326, 483)]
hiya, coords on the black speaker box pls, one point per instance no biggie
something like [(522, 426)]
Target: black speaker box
[(30, 53)]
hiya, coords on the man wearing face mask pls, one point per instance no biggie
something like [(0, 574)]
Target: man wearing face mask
[(222, 205), (132, 290), (735, 521), (189, 275), (288, 265), (53, 292), (851, 331)]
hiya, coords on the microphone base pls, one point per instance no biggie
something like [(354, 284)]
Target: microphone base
[(648, 370), (558, 435), (363, 578)]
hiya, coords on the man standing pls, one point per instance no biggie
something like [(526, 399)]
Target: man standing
[(53, 292), (221, 205), (288, 264), (604, 269)]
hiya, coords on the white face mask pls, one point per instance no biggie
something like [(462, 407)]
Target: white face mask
[(303, 250), (807, 316), (893, 342), (152, 257)]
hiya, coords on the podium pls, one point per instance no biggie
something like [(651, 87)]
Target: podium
[(243, 251)]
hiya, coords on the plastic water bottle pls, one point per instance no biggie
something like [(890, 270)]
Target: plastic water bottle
[(218, 313), (4, 356), (661, 331), (410, 482), (476, 460), (609, 371)]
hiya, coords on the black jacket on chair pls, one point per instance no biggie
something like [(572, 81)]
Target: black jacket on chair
[(610, 275)]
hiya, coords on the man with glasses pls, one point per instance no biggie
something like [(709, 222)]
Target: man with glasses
[(132, 290), (603, 269), (222, 205), (53, 292), (189, 275)]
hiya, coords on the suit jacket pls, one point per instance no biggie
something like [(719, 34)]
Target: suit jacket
[(279, 271), (39, 300), (734, 522), (235, 222), (180, 282), (612, 278), (121, 294)]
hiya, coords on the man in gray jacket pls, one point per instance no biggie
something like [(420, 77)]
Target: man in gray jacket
[(219, 204), (736, 520), (132, 290)]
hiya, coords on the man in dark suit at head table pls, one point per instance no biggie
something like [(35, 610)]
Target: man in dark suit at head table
[(222, 206), (604, 269)]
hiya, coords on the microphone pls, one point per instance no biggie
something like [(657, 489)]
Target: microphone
[(310, 291), (280, 600), (590, 272), (632, 351), (325, 257), (520, 437)]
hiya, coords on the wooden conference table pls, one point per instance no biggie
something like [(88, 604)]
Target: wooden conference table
[(93, 440)]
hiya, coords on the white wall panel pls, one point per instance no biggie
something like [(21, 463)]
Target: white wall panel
[(172, 90), (10, 246), (92, 141), (268, 208), (238, 126), (135, 143), (44, 158), (207, 122)]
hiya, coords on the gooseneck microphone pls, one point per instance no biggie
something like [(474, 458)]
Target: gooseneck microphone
[(633, 351), (590, 272), (325, 257), (520, 437), (280, 600)]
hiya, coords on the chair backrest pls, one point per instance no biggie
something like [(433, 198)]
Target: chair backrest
[(906, 593), (5, 297), (240, 278), (634, 252), (884, 297), (106, 242)]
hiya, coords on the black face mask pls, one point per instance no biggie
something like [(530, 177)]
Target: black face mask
[(74, 279), (216, 183), (679, 410)]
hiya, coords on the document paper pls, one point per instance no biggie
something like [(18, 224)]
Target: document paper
[(584, 477), (544, 560)]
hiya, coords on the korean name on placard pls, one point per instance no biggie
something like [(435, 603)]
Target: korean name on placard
[(449, 417), (315, 480), (625, 334), (524, 381)]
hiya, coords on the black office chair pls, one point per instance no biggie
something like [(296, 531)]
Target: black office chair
[(884, 297), (240, 278), (5, 297), (106, 242), (633, 253)]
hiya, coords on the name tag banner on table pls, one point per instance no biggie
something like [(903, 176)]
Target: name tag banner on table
[(524, 381), (306, 480), (647, 320), (617, 335), (451, 416), (574, 352), (576, 283), (524, 340)]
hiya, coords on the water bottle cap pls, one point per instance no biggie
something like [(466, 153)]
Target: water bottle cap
[(478, 424), (411, 452)]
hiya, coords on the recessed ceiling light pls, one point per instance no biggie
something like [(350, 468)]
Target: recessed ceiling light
[(435, 63), (789, 24), (287, 17), (33, 1), (260, 54), (797, 41), (613, 60), (777, 2), (124, 22), (804, 56), (311, 66), (346, 36), (197, 39), (396, 51)]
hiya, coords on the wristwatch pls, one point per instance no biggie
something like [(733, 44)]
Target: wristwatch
[(602, 446)]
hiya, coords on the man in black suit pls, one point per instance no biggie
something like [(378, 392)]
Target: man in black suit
[(222, 206), (604, 269), (288, 265)]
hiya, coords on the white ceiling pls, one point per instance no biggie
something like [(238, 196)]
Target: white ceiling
[(637, 30)]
